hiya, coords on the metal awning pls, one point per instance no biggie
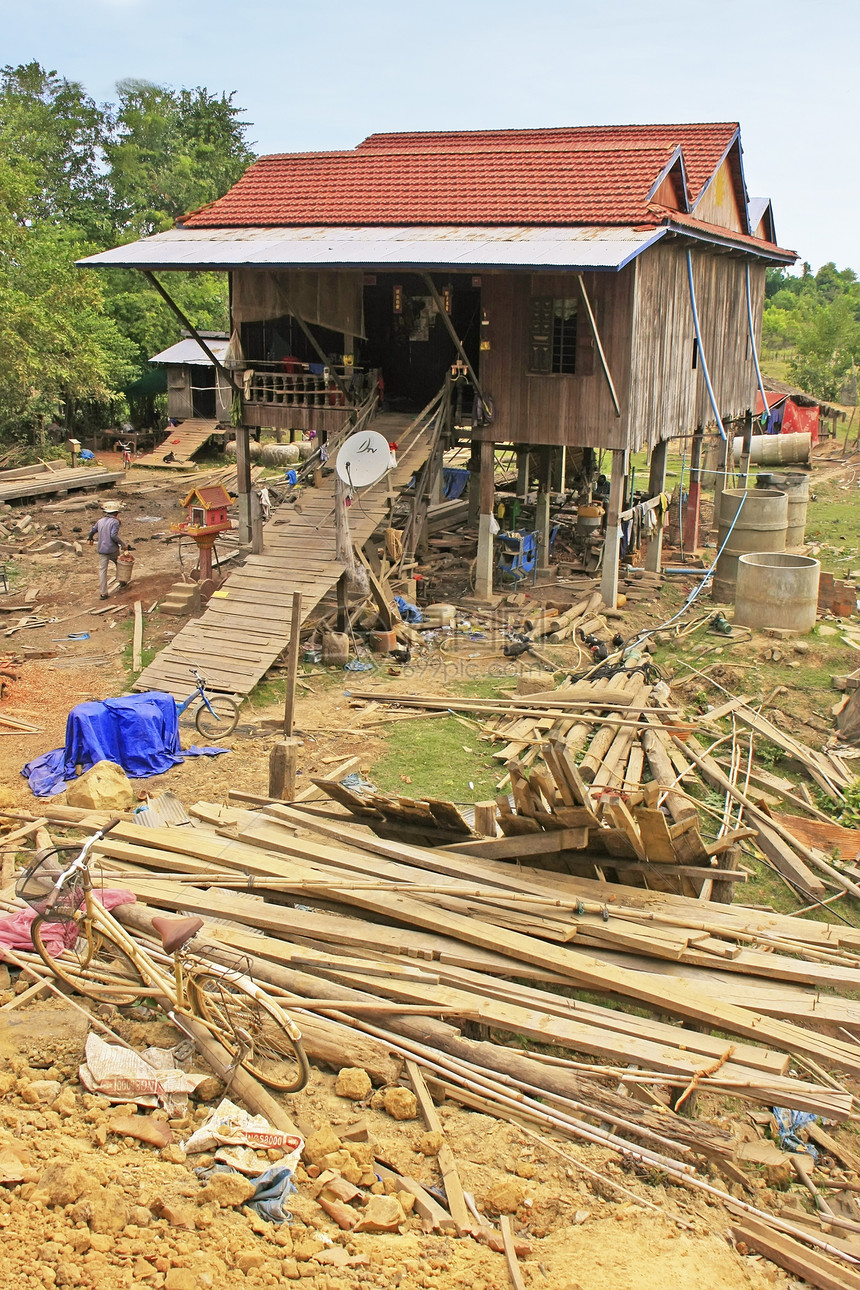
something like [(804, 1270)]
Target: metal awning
[(452, 247), (188, 351)]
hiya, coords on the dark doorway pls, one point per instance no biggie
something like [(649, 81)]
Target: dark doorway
[(408, 339), (203, 391)]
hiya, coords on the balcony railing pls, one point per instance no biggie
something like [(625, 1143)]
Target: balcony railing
[(303, 388)]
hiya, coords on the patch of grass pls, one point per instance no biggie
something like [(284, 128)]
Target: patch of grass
[(441, 758)]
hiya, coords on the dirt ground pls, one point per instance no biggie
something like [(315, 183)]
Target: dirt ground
[(155, 1231), (102, 1210)]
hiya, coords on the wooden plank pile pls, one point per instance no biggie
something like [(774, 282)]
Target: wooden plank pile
[(617, 760), (632, 1002)]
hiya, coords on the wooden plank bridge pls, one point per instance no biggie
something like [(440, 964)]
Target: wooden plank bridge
[(183, 442), (247, 624)]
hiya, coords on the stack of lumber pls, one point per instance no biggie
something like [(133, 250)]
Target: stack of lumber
[(53, 477), (479, 929), (620, 749), (632, 1002)]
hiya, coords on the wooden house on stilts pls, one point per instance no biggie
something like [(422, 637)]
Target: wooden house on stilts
[(600, 288)]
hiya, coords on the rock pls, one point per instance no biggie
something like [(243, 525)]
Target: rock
[(801, 647), (177, 1215), (353, 1082), (431, 1143), (320, 1144), (65, 1103), (401, 1103), (290, 1270), (345, 1217), (104, 1211), (208, 1089), (68, 1274), (174, 1154), (181, 1279), (306, 1248), (142, 1127), (140, 1216), (248, 1259), (505, 1197), (104, 787), (381, 1214), (824, 630), (42, 1092), (227, 1190), (64, 1182), (533, 683)]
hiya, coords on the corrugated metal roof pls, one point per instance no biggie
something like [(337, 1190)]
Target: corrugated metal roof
[(188, 351), (448, 246)]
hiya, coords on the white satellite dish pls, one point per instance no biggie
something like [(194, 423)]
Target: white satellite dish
[(363, 459)]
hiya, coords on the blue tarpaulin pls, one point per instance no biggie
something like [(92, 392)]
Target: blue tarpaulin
[(455, 480), (140, 732)]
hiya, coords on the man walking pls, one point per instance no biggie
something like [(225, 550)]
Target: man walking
[(109, 545)]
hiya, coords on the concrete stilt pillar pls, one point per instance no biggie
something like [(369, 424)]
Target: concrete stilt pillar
[(656, 484), (485, 562), (243, 479), (723, 461), (612, 541), (523, 464)]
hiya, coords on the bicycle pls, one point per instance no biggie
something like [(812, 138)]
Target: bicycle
[(216, 717), (90, 952)]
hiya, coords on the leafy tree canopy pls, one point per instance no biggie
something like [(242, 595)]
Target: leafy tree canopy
[(77, 177), (813, 320)]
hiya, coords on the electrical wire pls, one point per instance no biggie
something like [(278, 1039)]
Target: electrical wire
[(697, 591)]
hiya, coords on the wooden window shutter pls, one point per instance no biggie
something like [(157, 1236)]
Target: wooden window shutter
[(540, 333)]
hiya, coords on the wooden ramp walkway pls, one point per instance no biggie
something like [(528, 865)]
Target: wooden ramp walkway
[(183, 441), (44, 480), (247, 624)]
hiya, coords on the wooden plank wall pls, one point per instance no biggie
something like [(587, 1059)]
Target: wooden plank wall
[(669, 395), (547, 409)]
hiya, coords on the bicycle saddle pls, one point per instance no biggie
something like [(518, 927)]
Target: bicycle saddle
[(176, 932)]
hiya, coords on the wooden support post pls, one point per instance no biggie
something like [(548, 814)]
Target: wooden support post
[(437, 474), (612, 539), (282, 769), (542, 509), (342, 603), (243, 483), (137, 639), (694, 496), (293, 664), (656, 484), (474, 494), (485, 819), (485, 561), (744, 466), (256, 511), (723, 463)]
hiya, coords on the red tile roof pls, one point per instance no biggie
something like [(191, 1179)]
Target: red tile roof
[(704, 145), (546, 185), (589, 175)]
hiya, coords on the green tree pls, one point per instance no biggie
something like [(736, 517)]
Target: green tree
[(57, 344), (53, 127), (170, 151)]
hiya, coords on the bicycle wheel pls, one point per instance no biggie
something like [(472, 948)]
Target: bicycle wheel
[(256, 1030), (219, 723), (89, 962)]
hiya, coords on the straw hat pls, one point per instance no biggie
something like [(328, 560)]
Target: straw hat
[(110, 508)]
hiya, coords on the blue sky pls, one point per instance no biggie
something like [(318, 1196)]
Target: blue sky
[(319, 76)]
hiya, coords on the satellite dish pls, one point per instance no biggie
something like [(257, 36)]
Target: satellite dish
[(363, 459)]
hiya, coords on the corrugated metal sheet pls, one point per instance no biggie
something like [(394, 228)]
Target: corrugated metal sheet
[(451, 247), (188, 351)]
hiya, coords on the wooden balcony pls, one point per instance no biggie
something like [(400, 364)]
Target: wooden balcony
[(302, 399)]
